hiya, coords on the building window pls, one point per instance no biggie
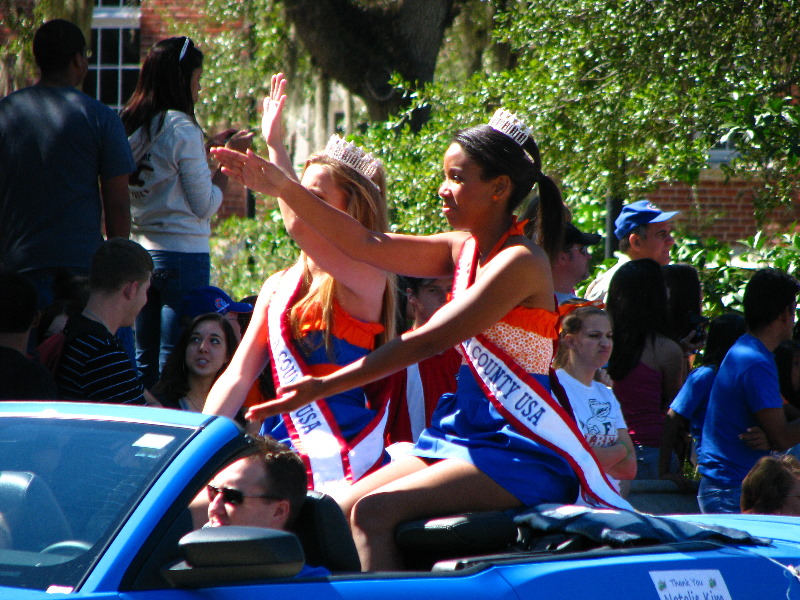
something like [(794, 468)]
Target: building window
[(114, 65)]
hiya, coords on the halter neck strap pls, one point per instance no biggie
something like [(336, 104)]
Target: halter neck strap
[(517, 228)]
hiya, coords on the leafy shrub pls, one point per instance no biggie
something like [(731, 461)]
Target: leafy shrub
[(724, 269), (244, 252)]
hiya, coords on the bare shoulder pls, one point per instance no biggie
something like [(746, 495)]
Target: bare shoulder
[(455, 239), (527, 254), (526, 264), (667, 350), (267, 290)]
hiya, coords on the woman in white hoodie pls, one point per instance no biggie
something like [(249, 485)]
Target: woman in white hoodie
[(173, 193)]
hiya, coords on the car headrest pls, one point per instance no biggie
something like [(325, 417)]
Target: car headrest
[(325, 534), (427, 541), (32, 514)]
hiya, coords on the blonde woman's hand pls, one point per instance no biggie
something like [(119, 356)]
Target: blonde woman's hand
[(271, 119)]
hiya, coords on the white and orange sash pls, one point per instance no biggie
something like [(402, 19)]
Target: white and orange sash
[(331, 462), (529, 406)]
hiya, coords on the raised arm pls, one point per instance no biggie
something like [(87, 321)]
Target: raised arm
[(272, 126), (363, 282), (230, 390), (416, 256), (513, 277)]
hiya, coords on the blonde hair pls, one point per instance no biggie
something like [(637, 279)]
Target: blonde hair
[(572, 323), (366, 203)]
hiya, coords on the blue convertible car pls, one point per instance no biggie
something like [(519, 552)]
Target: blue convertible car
[(94, 503)]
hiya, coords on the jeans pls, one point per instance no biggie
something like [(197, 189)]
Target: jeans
[(647, 458), (718, 498), (158, 324)]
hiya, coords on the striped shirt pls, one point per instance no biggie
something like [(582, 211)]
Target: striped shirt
[(95, 367)]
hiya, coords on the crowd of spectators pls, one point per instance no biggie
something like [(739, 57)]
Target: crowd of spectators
[(652, 388)]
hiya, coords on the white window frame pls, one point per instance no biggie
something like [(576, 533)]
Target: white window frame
[(105, 18)]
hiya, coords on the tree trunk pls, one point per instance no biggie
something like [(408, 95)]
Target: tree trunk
[(322, 102), (362, 46)]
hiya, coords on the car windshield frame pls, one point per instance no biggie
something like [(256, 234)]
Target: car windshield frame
[(55, 484)]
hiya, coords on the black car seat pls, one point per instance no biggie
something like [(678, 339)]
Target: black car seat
[(325, 535), (31, 513)]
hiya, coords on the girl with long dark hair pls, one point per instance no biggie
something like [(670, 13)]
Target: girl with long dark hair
[(203, 350), (646, 365), (173, 194)]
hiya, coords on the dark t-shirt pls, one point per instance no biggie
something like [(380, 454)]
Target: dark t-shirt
[(54, 144), (94, 366), (24, 379)]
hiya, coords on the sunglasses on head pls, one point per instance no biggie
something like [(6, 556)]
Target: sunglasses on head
[(184, 49), (233, 496)]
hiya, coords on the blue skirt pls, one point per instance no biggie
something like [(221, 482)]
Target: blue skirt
[(466, 426)]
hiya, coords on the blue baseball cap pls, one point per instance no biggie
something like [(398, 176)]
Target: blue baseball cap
[(638, 213), (210, 299)]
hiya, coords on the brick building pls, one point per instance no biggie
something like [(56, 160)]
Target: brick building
[(123, 31)]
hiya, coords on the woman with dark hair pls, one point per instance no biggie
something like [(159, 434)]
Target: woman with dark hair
[(324, 312), (202, 352), (500, 441), (173, 194), (787, 359), (685, 300), (646, 365)]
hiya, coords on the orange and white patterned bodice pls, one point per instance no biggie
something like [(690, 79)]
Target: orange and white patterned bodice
[(528, 336)]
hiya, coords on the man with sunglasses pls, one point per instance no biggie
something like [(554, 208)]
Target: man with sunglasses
[(264, 489), (571, 266)]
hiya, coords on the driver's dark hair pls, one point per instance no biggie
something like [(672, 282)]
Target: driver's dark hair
[(498, 154), (284, 472)]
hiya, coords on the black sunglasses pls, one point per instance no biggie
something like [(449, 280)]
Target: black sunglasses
[(233, 496)]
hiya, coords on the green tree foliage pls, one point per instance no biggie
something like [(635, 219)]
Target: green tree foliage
[(244, 252), (766, 134), (243, 44), (626, 94), (17, 67)]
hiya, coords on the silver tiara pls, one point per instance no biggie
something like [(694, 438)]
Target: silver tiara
[(353, 156), (508, 123)]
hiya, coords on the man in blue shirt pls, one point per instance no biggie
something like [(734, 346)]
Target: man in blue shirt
[(265, 489), (746, 393), (64, 166)]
